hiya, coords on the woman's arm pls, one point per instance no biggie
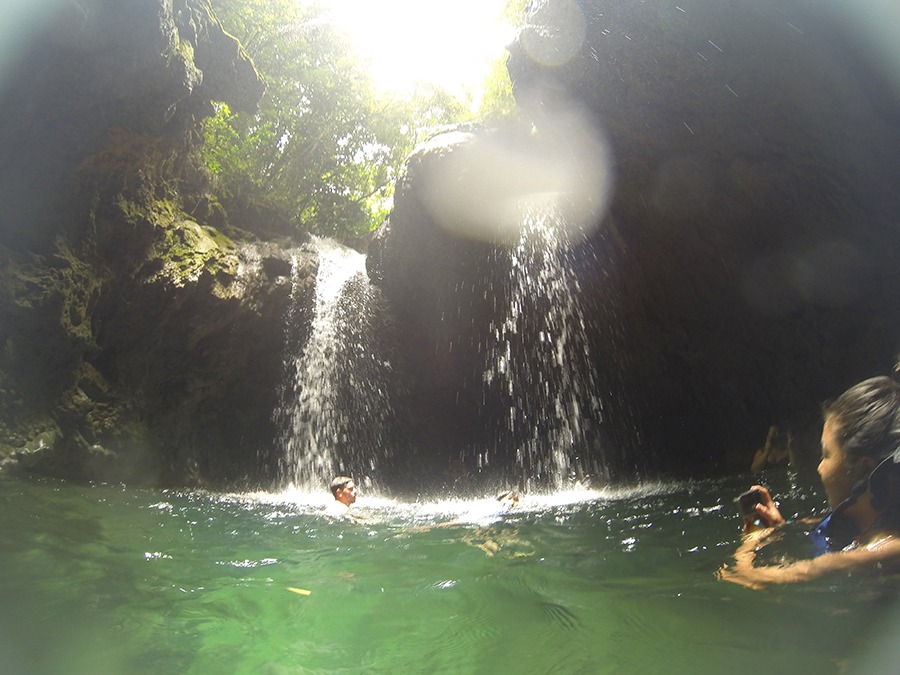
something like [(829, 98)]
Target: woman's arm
[(881, 553)]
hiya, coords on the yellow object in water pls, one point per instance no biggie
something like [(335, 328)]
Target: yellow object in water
[(299, 591)]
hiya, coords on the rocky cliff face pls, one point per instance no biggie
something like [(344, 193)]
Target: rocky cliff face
[(740, 258), (445, 291), (139, 341)]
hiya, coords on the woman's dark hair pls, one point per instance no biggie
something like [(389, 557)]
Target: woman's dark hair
[(867, 418), (867, 424)]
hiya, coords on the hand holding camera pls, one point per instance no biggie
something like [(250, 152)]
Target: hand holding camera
[(758, 509)]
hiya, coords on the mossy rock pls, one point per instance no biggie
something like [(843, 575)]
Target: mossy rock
[(190, 250)]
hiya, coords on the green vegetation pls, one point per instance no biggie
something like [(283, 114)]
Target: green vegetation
[(497, 103), (324, 150)]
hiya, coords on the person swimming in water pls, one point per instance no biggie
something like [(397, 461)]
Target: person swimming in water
[(860, 472), (508, 500), (344, 491)]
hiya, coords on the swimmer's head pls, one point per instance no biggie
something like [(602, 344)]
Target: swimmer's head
[(509, 498), (344, 490)]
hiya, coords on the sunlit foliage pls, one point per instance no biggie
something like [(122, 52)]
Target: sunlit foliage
[(497, 102), (323, 151)]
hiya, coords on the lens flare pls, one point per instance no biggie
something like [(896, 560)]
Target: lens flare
[(481, 187), (408, 42)]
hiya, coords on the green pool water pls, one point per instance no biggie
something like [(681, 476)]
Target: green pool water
[(108, 579)]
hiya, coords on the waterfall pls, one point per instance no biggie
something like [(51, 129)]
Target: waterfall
[(336, 413), (340, 395), (539, 358)]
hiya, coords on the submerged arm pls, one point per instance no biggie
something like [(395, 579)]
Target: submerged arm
[(885, 551)]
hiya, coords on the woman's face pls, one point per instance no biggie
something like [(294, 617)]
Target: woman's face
[(834, 470)]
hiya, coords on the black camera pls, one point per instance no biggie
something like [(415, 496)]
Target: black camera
[(748, 501)]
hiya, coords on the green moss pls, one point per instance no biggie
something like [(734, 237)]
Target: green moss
[(186, 51), (150, 233), (45, 290), (185, 251), (156, 212), (132, 166), (242, 55), (78, 284)]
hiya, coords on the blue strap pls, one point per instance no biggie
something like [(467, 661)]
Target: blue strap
[(819, 536)]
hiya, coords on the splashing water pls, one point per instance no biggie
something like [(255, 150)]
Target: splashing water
[(337, 406), (541, 359)]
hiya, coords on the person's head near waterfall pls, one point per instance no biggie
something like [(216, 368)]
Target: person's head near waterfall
[(343, 488), (860, 473)]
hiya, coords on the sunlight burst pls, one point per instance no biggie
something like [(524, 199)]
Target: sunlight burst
[(407, 43)]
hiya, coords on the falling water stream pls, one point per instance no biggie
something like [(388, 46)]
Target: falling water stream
[(540, 356), (337, 397), (338, 413)]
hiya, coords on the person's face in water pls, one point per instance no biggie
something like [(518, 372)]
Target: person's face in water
[(347, 494), (835, 471)]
